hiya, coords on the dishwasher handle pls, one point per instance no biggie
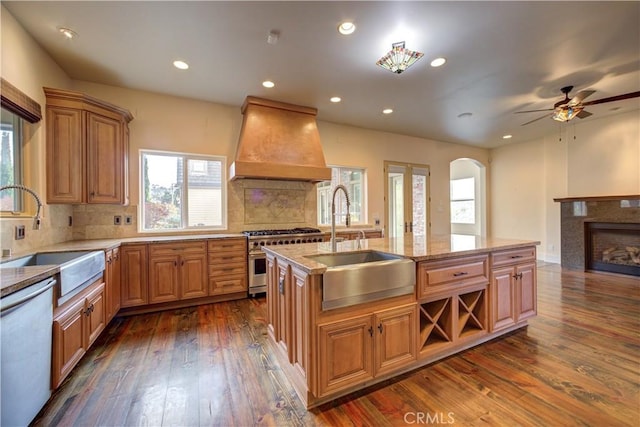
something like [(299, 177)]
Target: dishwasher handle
[(32, 295)]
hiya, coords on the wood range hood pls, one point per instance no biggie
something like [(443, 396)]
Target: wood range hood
[(279, 141)]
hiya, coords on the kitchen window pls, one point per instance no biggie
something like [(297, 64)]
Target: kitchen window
[(354, 179), (182, 191), (11, 161), (463, 203)]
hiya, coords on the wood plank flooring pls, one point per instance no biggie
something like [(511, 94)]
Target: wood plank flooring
[(576, 364)]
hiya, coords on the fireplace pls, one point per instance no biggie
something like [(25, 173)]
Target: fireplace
[(613, 247)]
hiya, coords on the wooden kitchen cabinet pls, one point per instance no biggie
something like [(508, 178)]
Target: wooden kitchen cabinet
[(227, 265), (87, 149), (358, 349), (76, 325), (177, 271), (133, 275), (513, 287), (112, 282)]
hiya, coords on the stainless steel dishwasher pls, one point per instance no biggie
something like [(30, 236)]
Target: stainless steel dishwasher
[(26, 319)]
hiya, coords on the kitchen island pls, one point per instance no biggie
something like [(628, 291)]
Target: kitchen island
[(468, 290)]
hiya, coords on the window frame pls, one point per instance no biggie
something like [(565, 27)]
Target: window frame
[(18, 161), (184, 208), (324, 193)]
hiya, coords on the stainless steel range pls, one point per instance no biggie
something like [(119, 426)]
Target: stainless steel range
[(258, 259)]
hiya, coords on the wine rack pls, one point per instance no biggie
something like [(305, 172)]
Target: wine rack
[(472, 316), (436, 323)]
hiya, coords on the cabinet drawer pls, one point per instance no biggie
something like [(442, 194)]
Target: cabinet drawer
[(224, 259), (441, 277), (178, 248), (226, 285), (229, 269), (513, 256), (228, 245)]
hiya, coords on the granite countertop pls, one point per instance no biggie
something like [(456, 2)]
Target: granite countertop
[(421, 249), (15, 279)]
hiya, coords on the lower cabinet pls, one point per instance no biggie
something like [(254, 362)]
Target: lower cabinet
[(358, 349), (513, 287), (133, 275), (112, 282), (177, 271), (227, 266), (76, 325)]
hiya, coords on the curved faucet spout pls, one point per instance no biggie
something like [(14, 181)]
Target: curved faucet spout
[(36, 219), (347, 221)]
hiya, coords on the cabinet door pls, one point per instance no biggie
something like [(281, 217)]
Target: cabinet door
[(115, 283), (502, 288), (65, 156), (527, 304), (345, 354), (284, 307), (105, 159), (273, 316), (395, 342), (163, 278), (68, 341), (95, 314), (108, 283), (133, 275), (193, 276)]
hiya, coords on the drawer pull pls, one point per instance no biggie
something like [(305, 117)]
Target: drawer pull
[(516, 256), (461, 273)]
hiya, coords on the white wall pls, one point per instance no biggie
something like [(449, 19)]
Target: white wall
[(602, 159)]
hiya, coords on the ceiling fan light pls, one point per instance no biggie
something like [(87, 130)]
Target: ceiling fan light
[(398, 59), (564, 114)]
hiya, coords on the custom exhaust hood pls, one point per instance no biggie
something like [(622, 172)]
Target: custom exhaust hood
[(279, 141)]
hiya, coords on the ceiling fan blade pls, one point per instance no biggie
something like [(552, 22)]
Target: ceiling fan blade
[(535, 120), (613, 98), (534, 111), (580, 96), (583, 114)]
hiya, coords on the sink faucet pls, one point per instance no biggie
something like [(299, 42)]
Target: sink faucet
[(364, 236), (334, 244), (36, 219)]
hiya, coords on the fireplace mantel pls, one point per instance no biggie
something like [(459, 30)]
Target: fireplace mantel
[(596, 198)]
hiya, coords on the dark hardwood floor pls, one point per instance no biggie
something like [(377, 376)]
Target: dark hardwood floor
[(577, 363)]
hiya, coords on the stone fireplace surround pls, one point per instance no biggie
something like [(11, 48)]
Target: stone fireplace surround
[(576, 211)]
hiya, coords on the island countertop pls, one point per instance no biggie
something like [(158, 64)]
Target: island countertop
[(419, 249)]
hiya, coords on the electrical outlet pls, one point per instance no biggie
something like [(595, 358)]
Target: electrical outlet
[(20, 232), (128, 220), (117, 219)]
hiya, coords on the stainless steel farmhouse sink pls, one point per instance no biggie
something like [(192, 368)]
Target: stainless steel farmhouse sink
[(358, 277), (76, 268)]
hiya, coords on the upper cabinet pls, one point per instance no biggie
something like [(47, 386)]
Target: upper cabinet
[(87, 149)]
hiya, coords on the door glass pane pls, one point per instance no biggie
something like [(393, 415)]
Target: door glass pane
[(396, 204), (419, 195)]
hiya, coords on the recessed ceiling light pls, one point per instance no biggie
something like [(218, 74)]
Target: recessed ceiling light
[(507, 136), (67, 32), (268, 84), (438, 62), (346, 28), (387, 111), (335, 99), (181, 65)]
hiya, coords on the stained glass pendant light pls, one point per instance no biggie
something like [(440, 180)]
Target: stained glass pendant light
[(398, 58)]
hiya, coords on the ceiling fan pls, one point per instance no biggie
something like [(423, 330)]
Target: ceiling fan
[(568, 108)]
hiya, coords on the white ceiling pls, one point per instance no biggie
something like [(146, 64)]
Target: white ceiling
[(502, 57)]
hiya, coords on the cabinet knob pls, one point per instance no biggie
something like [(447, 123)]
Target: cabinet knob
[(370, 330), (380, 327)]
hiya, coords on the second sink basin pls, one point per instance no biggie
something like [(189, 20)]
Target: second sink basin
[(359, 277), (76, 268)]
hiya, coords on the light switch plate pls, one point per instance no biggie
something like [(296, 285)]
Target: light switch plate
[(20, 232), (128, 220), (117, 219)]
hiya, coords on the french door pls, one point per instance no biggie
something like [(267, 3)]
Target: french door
[(406, 194)]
